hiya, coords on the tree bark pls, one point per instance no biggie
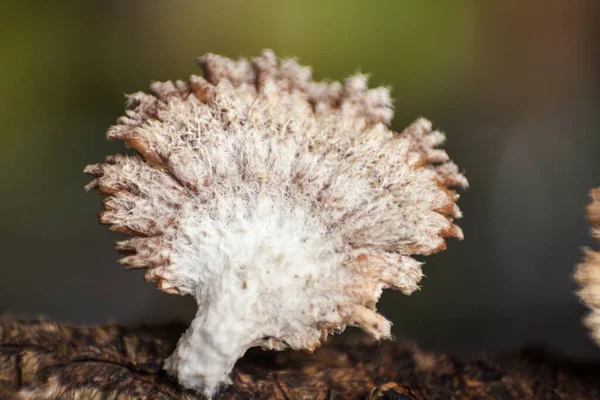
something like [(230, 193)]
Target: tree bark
[(44, 360)]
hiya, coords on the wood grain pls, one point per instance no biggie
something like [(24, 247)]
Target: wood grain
[(44, 360)]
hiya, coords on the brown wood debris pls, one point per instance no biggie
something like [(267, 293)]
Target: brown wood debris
[(45, 360)]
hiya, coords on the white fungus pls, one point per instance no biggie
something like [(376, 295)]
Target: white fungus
[(283, 205), (587, 274)]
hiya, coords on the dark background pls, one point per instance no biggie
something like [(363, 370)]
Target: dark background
[(514, 84)]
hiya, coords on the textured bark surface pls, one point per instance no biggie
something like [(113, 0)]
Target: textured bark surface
[(44, 360)]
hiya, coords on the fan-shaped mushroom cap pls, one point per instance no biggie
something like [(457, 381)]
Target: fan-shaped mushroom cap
[(587, 274), (283, 205)]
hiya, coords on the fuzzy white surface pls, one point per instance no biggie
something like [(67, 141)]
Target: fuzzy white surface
[(587, 274), (283, 205)]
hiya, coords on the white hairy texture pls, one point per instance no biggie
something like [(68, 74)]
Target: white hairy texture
[(587, 274), (284, 206)]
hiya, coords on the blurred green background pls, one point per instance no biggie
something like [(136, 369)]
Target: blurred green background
[(514, 84)]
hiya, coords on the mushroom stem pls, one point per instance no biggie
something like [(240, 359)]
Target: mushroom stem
[(206, 353)]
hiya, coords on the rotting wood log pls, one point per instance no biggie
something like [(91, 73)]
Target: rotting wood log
[(41, 359)]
